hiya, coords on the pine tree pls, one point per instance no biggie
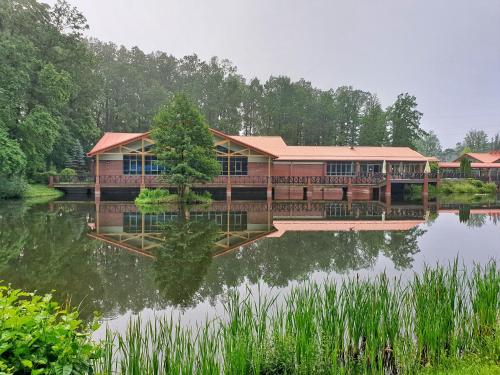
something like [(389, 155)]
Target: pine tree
[(76, 158), (184, 145)]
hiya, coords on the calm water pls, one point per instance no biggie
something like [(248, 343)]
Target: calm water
[(116, 260)]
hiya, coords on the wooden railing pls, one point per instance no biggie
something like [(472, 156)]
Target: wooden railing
[(151, 181)]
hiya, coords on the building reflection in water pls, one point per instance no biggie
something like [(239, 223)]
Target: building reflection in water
[(240, 223)]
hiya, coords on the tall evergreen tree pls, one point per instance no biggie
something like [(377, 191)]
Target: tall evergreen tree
[(404, 121), (373, 124), (184, 145)]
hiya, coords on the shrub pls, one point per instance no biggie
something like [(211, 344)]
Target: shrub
[(13, 187), (204, 198), (468, 186), (43, 177), (155, 196), (38, 336), (68, 172)]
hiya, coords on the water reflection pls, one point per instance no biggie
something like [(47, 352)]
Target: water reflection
[(113, 258)]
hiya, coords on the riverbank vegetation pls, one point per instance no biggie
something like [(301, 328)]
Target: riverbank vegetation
[(445, 318), (38, 336), (460, 191), (467, 186), (148, 197), (444, 315)]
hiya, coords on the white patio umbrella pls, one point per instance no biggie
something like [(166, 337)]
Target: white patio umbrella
[(427, 168)]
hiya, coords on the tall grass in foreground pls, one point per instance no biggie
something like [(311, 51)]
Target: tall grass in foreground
[(380, 326)]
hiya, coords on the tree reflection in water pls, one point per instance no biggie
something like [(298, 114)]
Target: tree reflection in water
[(47, 248), (183, 258)]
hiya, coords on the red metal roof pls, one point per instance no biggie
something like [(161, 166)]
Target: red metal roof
[(483, 157), (283, 226), (473, 165), (277, 148), (112, 140)]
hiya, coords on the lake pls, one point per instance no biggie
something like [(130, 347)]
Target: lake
[(112, 258)]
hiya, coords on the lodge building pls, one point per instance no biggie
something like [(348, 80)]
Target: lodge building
[(264, 167)]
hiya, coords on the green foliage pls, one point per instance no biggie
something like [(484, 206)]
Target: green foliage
[(67, 173), (39, 131), (429, 145), (155, 196), (76, 158), (12, 157), (465, 167), (37, 191), (38, 336), (404, 120), (373, 125), (48, 83), (468, 186), (353, 326), (476, 141), (184, 145), (12, 187), (43, 177), (183, 258)]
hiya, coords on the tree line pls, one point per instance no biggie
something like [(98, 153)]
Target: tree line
[(60, 91)]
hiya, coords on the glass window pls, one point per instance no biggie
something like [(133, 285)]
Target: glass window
[(371, 168), (239, 165), (132, 165), (340, 169)]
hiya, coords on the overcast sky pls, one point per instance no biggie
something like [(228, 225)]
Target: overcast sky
[(446, 53)]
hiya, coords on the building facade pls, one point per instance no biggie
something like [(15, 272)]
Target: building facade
[(268, 165)]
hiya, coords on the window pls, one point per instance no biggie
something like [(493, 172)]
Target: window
[(406, 168), (132, 165), (132, 221), (239, 165), (371, 168), (340, 169)]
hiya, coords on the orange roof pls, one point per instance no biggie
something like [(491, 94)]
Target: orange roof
[(111, 140), (341, 226), (473, 165), (277, 148), (483, 157)]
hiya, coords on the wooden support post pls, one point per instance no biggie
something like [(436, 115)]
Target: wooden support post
[(97, 213), (269, 192), (358, 168), (143, 185), (349, 189), (388, 182), (97, 187), (228, 184), (425, 189), (309, 189)]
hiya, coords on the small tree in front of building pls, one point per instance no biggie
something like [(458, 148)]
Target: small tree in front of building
[(465, 167), (184, 145)]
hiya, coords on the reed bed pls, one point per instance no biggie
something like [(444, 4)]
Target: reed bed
[(377, 326)]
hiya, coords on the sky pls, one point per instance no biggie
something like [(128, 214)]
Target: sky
[(445, 52)]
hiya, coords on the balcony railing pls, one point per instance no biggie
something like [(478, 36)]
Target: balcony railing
[(153, 181)]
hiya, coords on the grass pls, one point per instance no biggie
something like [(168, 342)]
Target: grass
[(163, 196), (39, 194), (155, 196), (444, 319), (467, 186)]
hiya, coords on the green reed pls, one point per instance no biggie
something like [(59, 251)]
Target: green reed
[(378, 326)]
